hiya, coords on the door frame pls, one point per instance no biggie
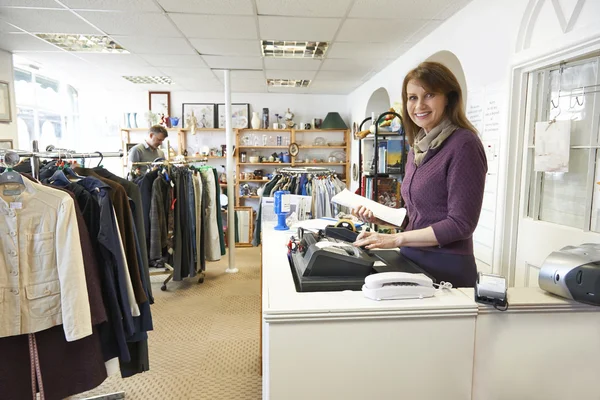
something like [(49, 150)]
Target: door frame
[(511, 183)]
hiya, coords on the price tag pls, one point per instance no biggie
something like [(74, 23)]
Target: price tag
[(16, 205), (285, 203)]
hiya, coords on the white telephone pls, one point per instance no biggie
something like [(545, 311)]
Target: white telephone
[(398, 285)]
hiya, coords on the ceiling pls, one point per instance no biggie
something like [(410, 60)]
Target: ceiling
[(192, 41)]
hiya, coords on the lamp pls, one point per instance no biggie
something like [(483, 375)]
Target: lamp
[(333, 120)]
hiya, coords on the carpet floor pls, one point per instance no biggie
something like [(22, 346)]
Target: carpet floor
[(205, 343)]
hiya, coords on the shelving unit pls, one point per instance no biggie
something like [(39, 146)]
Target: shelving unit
[(297, 136)]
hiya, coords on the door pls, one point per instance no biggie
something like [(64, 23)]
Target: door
[(560, 209)]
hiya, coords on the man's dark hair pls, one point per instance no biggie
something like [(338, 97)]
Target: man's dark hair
[(159, 129)]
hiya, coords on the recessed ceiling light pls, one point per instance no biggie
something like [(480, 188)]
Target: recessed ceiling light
[(83, 43), (293, 49), (160, 80), (288, 82)]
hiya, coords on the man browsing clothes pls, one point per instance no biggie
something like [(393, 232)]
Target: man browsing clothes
[(148, 150)]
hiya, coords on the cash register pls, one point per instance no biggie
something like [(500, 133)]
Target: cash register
[(326, 260)]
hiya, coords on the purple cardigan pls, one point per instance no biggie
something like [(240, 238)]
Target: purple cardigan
[(446, 191)]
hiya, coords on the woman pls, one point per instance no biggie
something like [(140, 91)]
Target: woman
[(444, 181)]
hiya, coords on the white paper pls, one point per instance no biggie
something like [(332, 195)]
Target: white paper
[(552, 146), (394, 216)]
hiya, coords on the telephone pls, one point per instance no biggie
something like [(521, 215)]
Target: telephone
[(398, 285)]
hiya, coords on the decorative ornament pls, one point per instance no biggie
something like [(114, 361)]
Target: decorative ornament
[(294, 149), (289, 116)]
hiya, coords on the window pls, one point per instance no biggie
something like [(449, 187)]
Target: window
[(47, 110), (569, 91)]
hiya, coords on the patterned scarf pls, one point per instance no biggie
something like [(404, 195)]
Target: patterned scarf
[(433, 139)]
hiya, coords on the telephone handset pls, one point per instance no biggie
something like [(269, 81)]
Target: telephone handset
[(398, 285)]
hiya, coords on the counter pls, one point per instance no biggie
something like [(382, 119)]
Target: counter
[(340, 345)]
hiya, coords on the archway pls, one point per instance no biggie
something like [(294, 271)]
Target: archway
[(378, 102), (453, 63)]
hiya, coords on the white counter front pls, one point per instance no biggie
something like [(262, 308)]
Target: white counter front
[(341, 345)]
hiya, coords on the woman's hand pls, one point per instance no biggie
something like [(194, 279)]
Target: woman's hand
[(374, 240), (366, 215)]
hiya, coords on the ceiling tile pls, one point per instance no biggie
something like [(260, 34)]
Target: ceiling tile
[(230, 7), (114, 5), (290, 28), (333, 87), (356, 30), (200, 84), (45, 21), (24, 42), (242, 76), (341, 75), (290, 74), (159, 60), (227, 47), (392, 9), (348, 64), (131, 23), (289, 90), (307, 64), (359, 50), (216, 26), (249, 86), (424, 31), (303, 8), (32, 3), (7, 28), (121, 64), (187, 74), (229, 62), (452, 8), (148, 44)]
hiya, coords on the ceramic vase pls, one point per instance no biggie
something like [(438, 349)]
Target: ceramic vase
[(134, 122), (255, 120)]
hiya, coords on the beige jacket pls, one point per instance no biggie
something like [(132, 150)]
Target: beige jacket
[(42, 280)]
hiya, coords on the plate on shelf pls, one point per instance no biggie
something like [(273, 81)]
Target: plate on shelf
[(319, 141)]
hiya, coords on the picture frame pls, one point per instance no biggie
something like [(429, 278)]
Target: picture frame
[(240, 115), (160, 103), (244, 226), (6, 144), (203, 112), (5, 106)]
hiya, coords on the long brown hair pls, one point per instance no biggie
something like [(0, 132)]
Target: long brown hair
[(435, 78)]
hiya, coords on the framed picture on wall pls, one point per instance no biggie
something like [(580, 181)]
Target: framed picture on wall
[(203, 113), (6, 144), (5, 115), (160, 103), (240, 115)]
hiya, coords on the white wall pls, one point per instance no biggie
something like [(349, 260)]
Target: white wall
[(8, 130), (490, 38)]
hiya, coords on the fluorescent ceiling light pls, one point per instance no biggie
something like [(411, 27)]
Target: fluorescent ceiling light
[(83, 43), (288, 82), (160, 80), (293, 49)]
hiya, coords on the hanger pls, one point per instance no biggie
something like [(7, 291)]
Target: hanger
[(11, 176), (101, 159)]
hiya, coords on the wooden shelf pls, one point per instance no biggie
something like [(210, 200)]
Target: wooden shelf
[(263, 130), (147, 129), (345, 166), (319, 163), (204, 129), (263, 147), (270, 164), (321, 147)]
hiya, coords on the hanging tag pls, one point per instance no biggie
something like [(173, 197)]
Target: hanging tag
[(16, 205), (11, 192)]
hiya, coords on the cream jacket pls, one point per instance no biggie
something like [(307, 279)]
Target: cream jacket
[(42, 279)]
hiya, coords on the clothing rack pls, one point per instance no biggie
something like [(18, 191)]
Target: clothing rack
[(35, 156), (303, 170), (168, 269)]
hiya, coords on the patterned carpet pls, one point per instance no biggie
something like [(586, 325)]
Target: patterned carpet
[(205, 343)]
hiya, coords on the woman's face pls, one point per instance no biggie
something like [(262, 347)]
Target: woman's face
[(426, 109)]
